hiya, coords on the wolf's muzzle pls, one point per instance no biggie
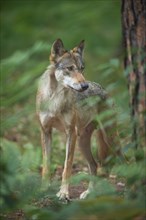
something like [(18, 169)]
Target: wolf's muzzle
[(84, 86)]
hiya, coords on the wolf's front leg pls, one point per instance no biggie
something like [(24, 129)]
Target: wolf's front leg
[(63, 194), (46, 148)]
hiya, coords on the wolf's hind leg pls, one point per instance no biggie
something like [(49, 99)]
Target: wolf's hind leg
[(85, 147)]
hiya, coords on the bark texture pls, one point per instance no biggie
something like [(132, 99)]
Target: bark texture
[(134, 41)]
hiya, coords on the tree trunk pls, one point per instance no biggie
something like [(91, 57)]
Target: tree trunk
[(134, 40)]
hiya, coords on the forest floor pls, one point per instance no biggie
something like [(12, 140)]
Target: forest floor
[(74, 190)]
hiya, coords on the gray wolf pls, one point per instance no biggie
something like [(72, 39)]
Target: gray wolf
[(67, 102)]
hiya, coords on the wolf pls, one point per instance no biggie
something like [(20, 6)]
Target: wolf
[(69, 103)]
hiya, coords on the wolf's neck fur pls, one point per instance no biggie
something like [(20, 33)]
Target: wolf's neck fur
[(53, 93), (54, 87)]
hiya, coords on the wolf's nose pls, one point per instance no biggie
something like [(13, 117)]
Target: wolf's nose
[(84, 86)]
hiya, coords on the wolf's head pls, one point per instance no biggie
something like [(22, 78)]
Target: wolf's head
[(69, 65)]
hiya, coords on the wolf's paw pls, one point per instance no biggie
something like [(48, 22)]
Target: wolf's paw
[(85, 194), (63, 196)]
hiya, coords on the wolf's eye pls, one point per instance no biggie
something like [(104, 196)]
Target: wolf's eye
[(70, 68)]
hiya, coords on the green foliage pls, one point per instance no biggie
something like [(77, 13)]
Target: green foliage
[(19, 173), (17, 72), (17, 65)]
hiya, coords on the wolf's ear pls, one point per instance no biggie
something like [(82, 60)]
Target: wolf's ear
[(57, 50), (80, 48)]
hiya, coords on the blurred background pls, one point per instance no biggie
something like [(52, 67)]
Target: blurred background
[(28, 29), (27, 22)]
